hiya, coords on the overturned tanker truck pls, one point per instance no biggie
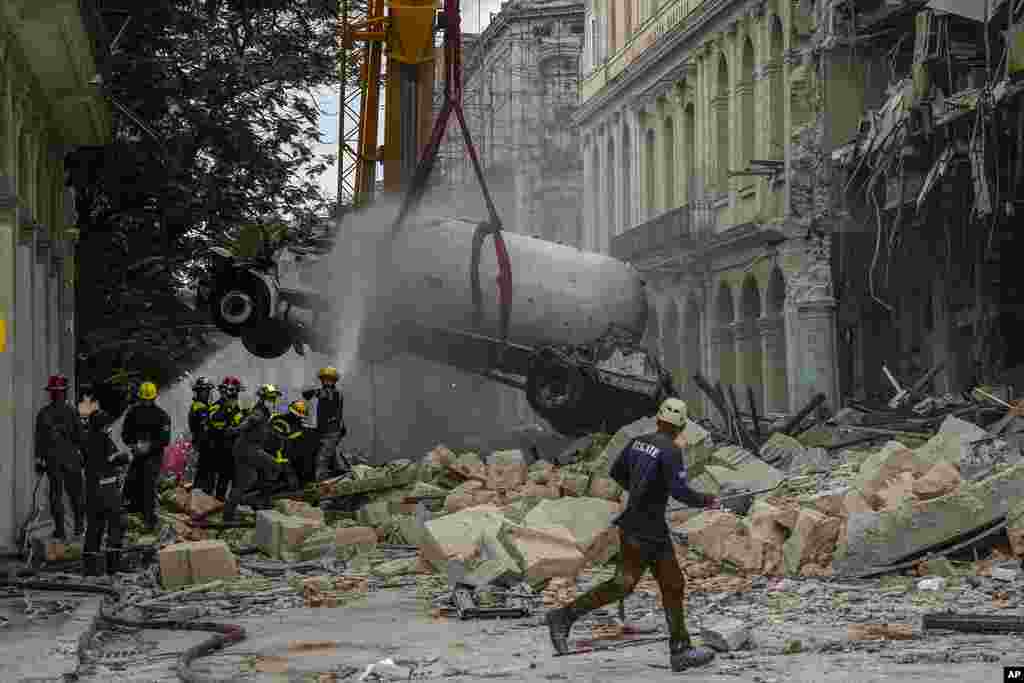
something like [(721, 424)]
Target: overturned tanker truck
[(574, 330)]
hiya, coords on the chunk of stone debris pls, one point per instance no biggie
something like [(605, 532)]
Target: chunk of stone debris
[(278, 535), (854, 501), (780, 448), (604, 488), (182, 564), (941, 479), (746, 552), (709, 530), (881, 467), (459, 534), (375, 514), (585, 518), (726, 635), (896, 490), (1015, 528), (506, 469), (862, 632), (458, 501), (298, 508), (763, 514), (1006, 572), (932, 583), (813, 540), (471, 464), (743, 470), (830, 502), (441, 456), (484, 497), (543, 553), (541, 472), (574, 484)]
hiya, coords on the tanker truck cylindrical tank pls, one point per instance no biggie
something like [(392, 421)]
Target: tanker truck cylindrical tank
[(560, 295)]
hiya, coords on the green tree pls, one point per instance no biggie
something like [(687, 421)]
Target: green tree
[(215, 123)]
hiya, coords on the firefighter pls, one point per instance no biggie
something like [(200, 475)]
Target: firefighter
[(284, 441), (103, 466), (252, 462), (198, 426), (224, 415), (652, 468), (330, 422), (57, 454), (146, 431)]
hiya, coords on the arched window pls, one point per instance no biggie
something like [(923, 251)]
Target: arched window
[(748, 102), (724, 114)]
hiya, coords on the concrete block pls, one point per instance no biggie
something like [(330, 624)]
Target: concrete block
[(441, 456), (854, 501), (885, 465), (830, 502), (709, 530), (211, 560), (585, 518), (459, 534), (298, 508), (541, 472), (748, 471), (574, 484), (351, 541), (485, 497), (267, 536), (813, 540), (765, 516), (503, 476), (726, 635), (744, 551), (458, 501), (543, 553), (174, 566), (1015, 528), (941, 479), (896, 490), (604, 488), (375, 514)]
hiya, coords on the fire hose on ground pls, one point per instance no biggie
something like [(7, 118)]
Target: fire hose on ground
[(222, 635)]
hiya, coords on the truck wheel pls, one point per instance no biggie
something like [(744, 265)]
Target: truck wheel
[(555, 388), (271, 338), (240, 300)]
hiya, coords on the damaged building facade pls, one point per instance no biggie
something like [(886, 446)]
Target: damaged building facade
[(521, 80), (930, 180), (705, 126)]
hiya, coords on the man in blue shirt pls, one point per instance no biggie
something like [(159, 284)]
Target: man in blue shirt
[(651, 467)]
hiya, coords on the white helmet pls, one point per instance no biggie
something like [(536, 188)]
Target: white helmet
[(673, 411)]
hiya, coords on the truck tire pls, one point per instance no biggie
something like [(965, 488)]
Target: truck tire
[(240, 300)]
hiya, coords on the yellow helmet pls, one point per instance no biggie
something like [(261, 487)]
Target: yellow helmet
[(268, 391), (673, 411), (330, 372), (147, 391), (297, 408)]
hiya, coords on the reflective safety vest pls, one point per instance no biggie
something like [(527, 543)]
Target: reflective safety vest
[(223, 417), (282, 434)]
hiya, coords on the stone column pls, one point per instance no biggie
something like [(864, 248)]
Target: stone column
[(42, 302), (773, 362), (68, 330), (56, 339), (25, 377), (9, 393), (819, 374), (748, 362), (722, 367)]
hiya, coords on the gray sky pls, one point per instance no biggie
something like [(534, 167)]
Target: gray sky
[(475, 16)]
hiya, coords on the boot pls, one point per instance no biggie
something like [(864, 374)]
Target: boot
[(92, 564), (114, 562), (683, 656), (560, 621)]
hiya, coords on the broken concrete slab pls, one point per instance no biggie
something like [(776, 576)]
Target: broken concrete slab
[(742, 470), (941, 479), (460, 534), (882, 538), (895, 491), (726, 635), (746, 552), (830, 502), (585, 518), (889, 462), (543, 553), (813, 540), (968, 446), (574, 484)]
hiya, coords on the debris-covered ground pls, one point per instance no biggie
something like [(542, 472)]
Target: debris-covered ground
[(894, 560)]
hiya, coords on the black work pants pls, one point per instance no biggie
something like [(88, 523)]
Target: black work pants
[(63, 477), (635, 559), (143, 480), (225, 465), (104, 518), (207, 469), (251, 465)]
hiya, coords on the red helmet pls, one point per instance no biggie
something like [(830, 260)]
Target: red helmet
[(57, 383), (231, 381)]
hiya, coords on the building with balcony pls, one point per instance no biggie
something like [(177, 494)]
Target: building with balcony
[(47, 108), (521, 81), (706, 127)]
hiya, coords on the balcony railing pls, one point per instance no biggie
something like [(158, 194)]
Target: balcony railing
[(672, 228)]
